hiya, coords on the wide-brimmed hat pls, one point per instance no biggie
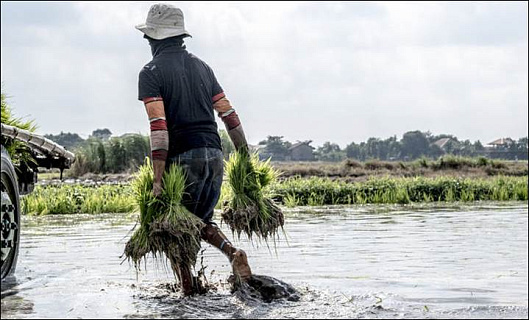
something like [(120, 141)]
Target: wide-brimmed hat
[(163, 21)]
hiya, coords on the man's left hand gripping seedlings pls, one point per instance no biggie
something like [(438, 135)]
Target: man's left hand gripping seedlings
[(159, 139)]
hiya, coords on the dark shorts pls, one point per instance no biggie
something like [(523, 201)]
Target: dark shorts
[(204, 170)]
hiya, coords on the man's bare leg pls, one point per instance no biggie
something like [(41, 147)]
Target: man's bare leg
[(186, 279), (237, 257)]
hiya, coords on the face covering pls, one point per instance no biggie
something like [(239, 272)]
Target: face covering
[(157, 46)]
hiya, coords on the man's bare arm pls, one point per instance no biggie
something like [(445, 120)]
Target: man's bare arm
[(231, 120), (159, 139)]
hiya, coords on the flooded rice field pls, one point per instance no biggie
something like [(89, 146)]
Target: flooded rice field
[(421, 261)]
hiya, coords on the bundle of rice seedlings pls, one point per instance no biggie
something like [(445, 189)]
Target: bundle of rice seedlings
[(249, 207), (165, 225)]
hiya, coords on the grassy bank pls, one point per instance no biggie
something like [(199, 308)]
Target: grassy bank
[(321, 191), (63, 199), (296, 192), (353, 171)]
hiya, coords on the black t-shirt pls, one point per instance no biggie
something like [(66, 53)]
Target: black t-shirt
[(187, 85)]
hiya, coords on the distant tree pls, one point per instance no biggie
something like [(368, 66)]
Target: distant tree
[(68, 140), (102, 157), (330, 152), (103, 134), (394, 148), (118, 154), (466, 149), (414, 145), (329, 147), (374, 148), (275, 147), (356, 151), (227, 145), (115, 155), (90, 157), (137, 147), (453, 147), (352, 150), (383, 149), (522, 144), (478, 147)]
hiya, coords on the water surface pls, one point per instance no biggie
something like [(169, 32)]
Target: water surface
[(373, 261)]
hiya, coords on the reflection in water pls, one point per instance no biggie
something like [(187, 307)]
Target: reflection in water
[(9, 286), (373, 261), (13, 304)]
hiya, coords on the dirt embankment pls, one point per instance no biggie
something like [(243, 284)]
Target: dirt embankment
[(351, 170)]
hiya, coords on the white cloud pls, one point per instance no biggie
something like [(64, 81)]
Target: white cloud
[(334, 71)]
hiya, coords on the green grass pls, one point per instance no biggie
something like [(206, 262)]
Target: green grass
[(323, 191), (19, 152), (65, 199), (295, 192)]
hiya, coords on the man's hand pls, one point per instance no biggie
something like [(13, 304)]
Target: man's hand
[(158, 168), (157, 189)]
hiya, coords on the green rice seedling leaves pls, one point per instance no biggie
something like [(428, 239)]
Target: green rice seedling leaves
[(249, 208), (401, 190), (64, 198), (19, 152), (166, 226), (290, 200)]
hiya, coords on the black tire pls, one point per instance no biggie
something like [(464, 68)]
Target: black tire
[(10, 216)]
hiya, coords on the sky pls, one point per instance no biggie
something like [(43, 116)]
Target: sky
[(323, 71)]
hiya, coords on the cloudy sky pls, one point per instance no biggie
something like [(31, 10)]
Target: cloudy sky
[(339, 71)]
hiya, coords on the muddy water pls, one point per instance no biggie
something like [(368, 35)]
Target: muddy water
[(456, 261)]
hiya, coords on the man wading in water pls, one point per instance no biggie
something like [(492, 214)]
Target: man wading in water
[(180, 93)]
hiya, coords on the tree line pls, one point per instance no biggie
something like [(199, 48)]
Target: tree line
[(103, 153), (413, 145), (112, 155)]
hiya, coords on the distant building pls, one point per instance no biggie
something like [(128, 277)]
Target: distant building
[(301, 151), (441, 143), (501, 149), (501, 143)]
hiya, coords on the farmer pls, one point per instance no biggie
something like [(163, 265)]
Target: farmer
[(181, 93)]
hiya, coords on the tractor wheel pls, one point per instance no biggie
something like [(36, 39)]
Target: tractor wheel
[(10, 216)]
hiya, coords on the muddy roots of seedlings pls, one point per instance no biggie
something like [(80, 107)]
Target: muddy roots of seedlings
[(178, 246), (249, 221)]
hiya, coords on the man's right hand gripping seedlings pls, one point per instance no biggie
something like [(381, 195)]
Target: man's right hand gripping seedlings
[(181, 95)]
